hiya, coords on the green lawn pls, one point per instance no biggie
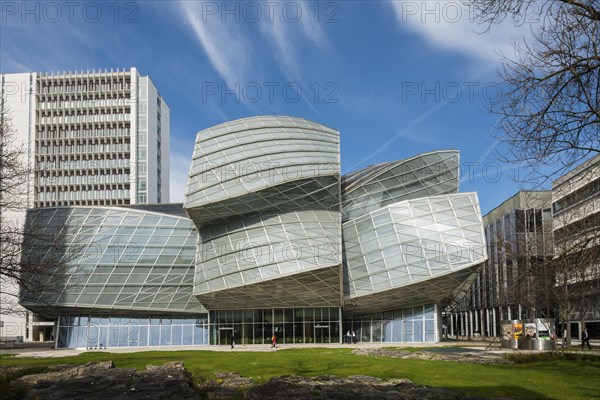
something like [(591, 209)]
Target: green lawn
[(556, 379)]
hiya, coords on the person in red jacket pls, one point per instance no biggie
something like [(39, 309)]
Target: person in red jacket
[(273, 341)]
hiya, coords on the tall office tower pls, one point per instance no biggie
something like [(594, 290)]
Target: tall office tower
[(94, 138)]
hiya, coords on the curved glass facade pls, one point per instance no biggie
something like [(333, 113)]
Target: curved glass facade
[(262, 164), (112, 259), (409, 237), (405, 245), (264, 193), (428, 174), (257, 250)]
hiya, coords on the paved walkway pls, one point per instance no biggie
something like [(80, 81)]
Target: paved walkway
[(43, 350)]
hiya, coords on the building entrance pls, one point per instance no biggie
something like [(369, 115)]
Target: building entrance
[(225, 335), (290, 325)]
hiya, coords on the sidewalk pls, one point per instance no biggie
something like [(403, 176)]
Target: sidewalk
[(45, 350)]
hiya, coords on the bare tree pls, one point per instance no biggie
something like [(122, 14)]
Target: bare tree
[(30, 271), (14, 173), (550, 106)]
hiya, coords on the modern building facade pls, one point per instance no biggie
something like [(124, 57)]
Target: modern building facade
[(92, 138), (273, 241), (519, 241), (116, 276), (411, 245), (544, 249), (576, 210)]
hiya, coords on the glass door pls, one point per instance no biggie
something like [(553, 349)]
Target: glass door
[(225, 335), (322, 333)]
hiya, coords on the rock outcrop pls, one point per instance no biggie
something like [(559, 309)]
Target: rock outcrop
[(102, 381), (477, 357)]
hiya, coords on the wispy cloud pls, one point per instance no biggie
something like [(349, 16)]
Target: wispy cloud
[(224, 44), (449, 25), (288, 36), (288, 39)]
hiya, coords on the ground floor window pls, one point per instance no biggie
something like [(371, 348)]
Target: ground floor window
[(255, 326), (107, 331), (289, 325), (412, 324)]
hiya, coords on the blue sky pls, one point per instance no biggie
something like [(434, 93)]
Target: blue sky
[(396, 78)]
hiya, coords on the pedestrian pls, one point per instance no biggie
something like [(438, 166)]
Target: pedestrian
[(353, 337), (273, 341), (585, 338), (232, 340), (348, 337)]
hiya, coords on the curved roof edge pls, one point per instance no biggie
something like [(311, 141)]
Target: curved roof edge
[(360, 177), (268, 121), (462, 194), (173, 210)]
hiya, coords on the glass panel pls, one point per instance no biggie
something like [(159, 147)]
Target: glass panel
[(188, 335), (429, 331), (154, 335), (63, 333), (113, 335), (143, 335), (176, 335), (165, 335), (199, 335), (124, 336), (377, 336), (418, 336)]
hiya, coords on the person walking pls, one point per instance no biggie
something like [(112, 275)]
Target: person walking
[(348, 337), (232, 340), (585, 338), (353, 337), (273, 341)]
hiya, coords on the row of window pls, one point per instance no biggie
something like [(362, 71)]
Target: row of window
[(91, 179), (588, 191), (80, 87), (82, 161), (81, 103), (90, 148), (83, 141), (84, 119), (76, 132), (96, 202), (82, 195), (111, 109)]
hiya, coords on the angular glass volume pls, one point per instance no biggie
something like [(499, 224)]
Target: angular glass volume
[(409, 237), (110, 258), (264, 193)]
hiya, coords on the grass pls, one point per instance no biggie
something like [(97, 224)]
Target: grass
[(538, 379)]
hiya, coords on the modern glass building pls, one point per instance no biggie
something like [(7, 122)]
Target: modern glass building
[(115, 276), (273, 241)]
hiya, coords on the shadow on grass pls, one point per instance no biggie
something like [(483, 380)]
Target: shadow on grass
[(500, 391)]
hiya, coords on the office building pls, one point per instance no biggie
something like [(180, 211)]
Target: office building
[(94, 137), (576, 211), (509, 286)]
